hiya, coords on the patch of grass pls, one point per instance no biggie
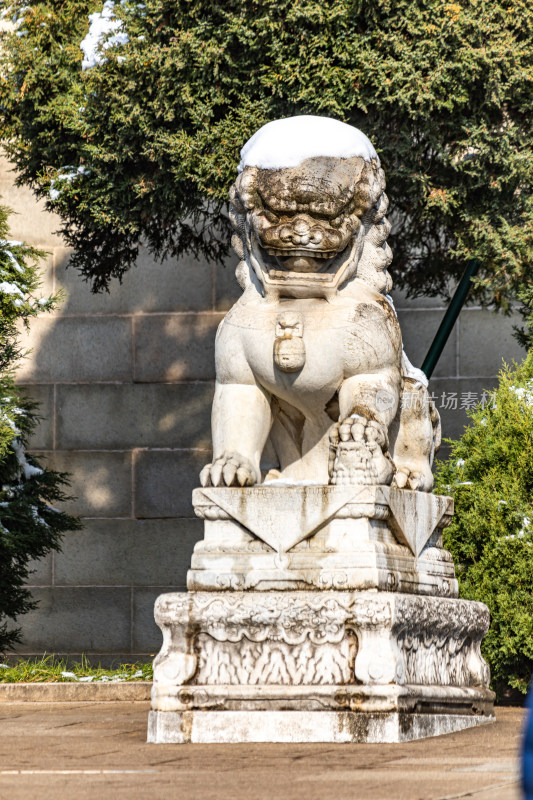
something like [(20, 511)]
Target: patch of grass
[(50, 669)]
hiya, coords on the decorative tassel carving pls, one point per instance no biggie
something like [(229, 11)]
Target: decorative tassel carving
[(289, 348)]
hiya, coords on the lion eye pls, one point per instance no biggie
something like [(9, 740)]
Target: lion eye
[(337, 222), (271, 217)]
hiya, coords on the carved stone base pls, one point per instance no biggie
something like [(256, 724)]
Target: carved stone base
[(322, 537), (317, 666), (336, 727)]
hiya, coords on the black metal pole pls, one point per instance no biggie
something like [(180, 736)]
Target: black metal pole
[(445, 328)]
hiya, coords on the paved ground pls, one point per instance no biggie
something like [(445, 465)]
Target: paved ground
[(98, 750)]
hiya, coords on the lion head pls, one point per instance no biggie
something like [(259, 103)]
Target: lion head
[(306, 225)]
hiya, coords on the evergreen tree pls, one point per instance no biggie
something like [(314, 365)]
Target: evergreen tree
[(137, 137), (30, 526), (525, 296), (489, 474)]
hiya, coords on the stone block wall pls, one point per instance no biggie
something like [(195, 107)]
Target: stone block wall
[(125, 382)]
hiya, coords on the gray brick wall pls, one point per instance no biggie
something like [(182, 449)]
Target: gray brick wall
[(125, 382)]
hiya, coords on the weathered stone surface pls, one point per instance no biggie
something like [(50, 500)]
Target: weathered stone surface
[(71, 618), (353, 657), (416, 515), (483, 345), (309, 360), (125, 416), (164, 480), (100, 483), (312, 639), (335, 727), (284, 516), (183, 284), (322, 537), (68, 349), (175, 347), (123, 552)]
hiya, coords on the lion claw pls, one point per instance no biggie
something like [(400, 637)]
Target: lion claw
[(230, 469), (413, 479)]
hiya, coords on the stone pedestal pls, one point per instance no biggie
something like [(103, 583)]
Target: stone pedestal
[(322, 537), (319, 613)]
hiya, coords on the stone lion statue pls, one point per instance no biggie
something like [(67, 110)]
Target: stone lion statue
[(312, 382)]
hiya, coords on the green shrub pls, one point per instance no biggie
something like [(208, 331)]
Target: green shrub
[(30, 526), (490, 476), (443, 89)]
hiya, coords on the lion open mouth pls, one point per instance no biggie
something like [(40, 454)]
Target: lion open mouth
[(302, 260), (284, 265)]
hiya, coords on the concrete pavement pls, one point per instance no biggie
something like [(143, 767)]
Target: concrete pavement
[(98, 750)]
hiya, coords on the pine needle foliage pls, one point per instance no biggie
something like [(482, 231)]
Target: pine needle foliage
[(490, 476), (30, 526), (444, 90)]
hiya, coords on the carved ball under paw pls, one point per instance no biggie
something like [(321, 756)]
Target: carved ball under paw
[(353, 465), (230, 469), (357, 453)]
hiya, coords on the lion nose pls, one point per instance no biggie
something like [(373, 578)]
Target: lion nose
[(300, 231)]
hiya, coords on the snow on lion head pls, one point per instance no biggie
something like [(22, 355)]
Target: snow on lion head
[(309, 209)]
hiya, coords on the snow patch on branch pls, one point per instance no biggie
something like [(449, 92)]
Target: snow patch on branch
[(37, 517), (27, 469), (10, 288), (67, 174), (105, 30), (524, 393), (14, 263)]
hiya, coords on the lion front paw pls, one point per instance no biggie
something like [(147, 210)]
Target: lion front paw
[(230, 469), (416, 476)]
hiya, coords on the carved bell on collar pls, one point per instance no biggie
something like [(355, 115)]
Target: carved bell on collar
[(289, 347)]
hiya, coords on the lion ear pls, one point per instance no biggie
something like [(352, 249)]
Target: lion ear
[(242, 273), (246, 196), (381, 207), (235, 200), (237, 220), (238, 245)]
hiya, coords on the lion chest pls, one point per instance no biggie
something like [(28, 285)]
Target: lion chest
[(306, 348)]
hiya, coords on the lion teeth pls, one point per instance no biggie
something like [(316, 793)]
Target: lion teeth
[(292, 253), (276, 274)]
